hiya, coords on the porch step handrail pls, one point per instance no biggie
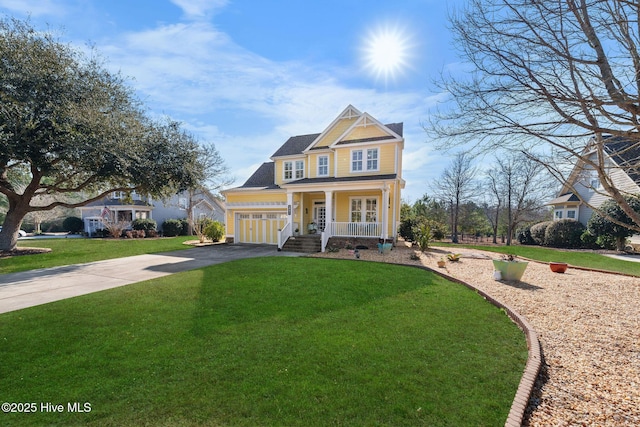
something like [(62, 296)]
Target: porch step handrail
[(355, 229), (283, 234)]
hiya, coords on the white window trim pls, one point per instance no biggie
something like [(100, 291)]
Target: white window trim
[(364, 160), (326, 165), (363, 207), (294, 169)]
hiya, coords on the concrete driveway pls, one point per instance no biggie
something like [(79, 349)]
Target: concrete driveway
[(35, 287)]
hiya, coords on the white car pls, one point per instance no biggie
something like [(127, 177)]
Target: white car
[(21, 233)]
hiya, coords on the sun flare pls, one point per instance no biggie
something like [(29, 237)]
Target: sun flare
[(386, 53)]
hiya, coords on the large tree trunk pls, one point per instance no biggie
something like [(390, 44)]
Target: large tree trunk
[(10, 228)]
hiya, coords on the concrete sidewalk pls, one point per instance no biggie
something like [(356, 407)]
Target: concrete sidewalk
[(30, 288)]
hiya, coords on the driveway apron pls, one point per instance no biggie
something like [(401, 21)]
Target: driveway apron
[(35, 287)]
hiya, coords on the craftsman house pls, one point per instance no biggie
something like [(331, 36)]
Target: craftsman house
[(622, 159), (342, 182)]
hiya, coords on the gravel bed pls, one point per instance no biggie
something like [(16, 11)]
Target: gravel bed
[(588, 324)]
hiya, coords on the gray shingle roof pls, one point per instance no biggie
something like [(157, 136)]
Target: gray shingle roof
[(626, 153), (262, 177), (106, 201), (342, 179)]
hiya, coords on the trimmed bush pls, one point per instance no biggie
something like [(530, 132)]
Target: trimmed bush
[(564, 233), (172, 228), (589, 241), (73, 224), (145, 224), (538, 232), (523, 236), (214, 231)]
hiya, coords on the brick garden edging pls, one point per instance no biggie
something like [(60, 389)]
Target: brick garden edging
[(534, 360)]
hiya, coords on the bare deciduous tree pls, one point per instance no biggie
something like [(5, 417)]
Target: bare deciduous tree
[(455, 187), (547, 77)]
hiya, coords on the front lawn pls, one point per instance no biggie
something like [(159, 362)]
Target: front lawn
[(76, 251), (263, 342)]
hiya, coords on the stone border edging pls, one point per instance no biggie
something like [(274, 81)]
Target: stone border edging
[(534, 360)]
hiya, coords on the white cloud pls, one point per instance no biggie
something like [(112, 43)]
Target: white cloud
[(34, 8)]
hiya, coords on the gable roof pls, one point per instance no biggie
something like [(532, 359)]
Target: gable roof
[(296, 145), (564, 198), (626, 153), (263, 177)]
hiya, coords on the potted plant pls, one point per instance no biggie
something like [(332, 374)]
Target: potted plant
[(312, 228), (509, 267), (442, 263)]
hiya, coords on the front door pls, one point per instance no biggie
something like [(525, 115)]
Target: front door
[(320, 215)]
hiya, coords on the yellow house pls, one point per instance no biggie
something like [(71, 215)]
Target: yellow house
[(344, 182)]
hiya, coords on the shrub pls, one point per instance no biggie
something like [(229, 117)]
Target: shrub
[(144, 224), (589, 241), (73, 224), (423, 236), (564, 233), (607, 242), (172, 228), (523, 236), (184, 226), (406, 229), (214, 231), (538, 232)]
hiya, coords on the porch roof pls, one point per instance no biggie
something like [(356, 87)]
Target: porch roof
[(330, 179), (565, 198), (106, 201)]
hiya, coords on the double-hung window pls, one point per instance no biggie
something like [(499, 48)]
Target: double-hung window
[(288, 171), (323, 165), (299, 169), (372, 159), (293, 170), (364, 210), (358, 163)]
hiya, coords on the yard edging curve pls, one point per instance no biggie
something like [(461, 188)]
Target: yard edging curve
[(534, 359)]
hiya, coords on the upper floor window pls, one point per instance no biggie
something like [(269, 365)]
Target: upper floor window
[(323, 166), (288, 170), (293, 169), (299, 169), (372, 159), (357, 160)]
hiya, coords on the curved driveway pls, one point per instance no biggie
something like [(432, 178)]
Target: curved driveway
[(35, 287)]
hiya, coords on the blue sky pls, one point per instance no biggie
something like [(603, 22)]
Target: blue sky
[(248, 74)]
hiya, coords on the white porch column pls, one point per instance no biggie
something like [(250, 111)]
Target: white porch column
[(290, 210), (328, 206), (385, 211)]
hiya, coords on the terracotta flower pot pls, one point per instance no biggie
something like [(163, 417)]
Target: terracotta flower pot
[(558, 267)]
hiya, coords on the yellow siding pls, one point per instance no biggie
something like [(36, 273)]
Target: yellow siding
[(386, 160), (313, 164), (361, 132), (335, 133)]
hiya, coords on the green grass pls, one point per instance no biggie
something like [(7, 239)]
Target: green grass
[(267, 342), (76, 251), (577, 258)]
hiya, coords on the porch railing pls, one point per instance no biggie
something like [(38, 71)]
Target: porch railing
[(284, 234), (355, 229)]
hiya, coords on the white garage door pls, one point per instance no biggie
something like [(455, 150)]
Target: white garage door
[(259, 227)]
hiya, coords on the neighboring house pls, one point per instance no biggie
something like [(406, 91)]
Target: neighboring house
[(122, 208), (342, 182), (622, 162)]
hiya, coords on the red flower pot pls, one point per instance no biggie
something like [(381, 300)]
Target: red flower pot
[(558, 267)]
